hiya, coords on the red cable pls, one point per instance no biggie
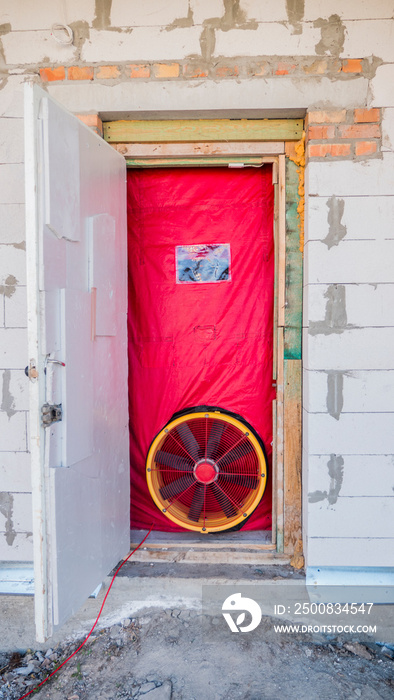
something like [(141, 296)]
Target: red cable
[(97, 619)]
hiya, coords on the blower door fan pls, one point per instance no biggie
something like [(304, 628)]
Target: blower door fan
[(206, 471)]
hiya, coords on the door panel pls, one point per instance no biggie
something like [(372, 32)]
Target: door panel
[(77, 306)]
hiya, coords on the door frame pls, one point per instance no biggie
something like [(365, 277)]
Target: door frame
[(250, 143)]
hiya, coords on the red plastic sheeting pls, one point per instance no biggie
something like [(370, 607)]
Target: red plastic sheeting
[(195, 343)]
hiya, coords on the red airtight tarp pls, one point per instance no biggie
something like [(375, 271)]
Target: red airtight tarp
[(201, 288)]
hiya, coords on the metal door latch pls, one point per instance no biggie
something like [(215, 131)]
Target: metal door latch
[(51, 413)]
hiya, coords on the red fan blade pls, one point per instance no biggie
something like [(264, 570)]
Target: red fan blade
[(169, 460), (176, 487)]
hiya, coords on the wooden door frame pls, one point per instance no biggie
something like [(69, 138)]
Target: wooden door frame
[(237, 143)]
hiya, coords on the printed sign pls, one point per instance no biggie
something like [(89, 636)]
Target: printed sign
[(203, 263)]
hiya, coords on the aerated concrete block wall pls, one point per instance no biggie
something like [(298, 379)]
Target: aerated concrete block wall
[(330, 60)]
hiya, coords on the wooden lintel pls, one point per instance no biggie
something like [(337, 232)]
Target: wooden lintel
[(192, 150), (200, 162), (160, 131)]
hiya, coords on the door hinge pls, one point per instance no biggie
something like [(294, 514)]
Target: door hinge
[(51, 413)]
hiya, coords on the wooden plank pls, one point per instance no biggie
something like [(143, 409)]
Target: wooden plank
[(292, 454), (160, 131), (277, 483), (281, 242), (293, 277), (198, 162), (188, 150)]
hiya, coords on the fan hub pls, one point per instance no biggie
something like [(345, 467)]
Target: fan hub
[(206, 471)]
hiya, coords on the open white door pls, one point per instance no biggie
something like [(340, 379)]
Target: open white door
[(77, 324)]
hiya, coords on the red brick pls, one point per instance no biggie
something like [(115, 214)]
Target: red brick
[(226, 71), (321, 150), (107, 72), (92, 120), (321, 132), (285, 68), (366, 148), (359, 131), (352, 65), (194, 71), (327, 117), (366, 115), (166, 70), (80, 73), (50, 74), (137, 70)]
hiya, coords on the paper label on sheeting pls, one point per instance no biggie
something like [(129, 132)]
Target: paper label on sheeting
[(203, 263)]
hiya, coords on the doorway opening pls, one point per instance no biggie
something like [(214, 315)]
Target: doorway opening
[(148, 148)]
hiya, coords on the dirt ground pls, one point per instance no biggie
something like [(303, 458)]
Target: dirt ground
[(185, 655)]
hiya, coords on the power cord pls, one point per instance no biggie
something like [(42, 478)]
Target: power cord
[(97, 619)]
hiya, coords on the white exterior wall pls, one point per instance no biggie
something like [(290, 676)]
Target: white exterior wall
[(348, 475)]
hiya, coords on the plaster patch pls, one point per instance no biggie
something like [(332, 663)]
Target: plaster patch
[(102, 19), (9, 286), (7, 401), (332, 32), (335, 393), (295, 13), (207, 43), (335, 471), (233, 18), (6, 509), (336, 231), (19, 246), (182, 21), (335, 320), (81, 32)]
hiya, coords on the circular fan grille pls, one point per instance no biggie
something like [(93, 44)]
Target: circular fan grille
[(206, 471)]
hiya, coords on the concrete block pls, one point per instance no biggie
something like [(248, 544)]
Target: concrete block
[(11, 103), (15, 471), (21, 48), (12, 223), (351, 9), (351, 262), (354, 517), (18, 510), (20, 550), (13, 433), (140, 45), (365, 304), (12, 267), (349, 551), (13, 348), (350, 391), (382, 87), (154, 13), (15, 391), (2, 303), (347, 178), (369, 37), (353, 433), (206, 9), (11, 140), (362, 475), (269, 39), (16, 309), (12, 181), (350, 218), (44, 15), (264, 97), (265, 11), (359, 349), (388, 128)]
